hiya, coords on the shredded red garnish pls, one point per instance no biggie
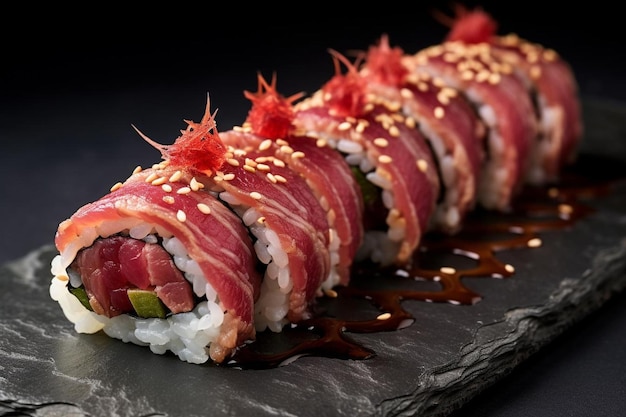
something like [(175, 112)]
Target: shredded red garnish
[(198, 149), (469, 25), (345, 93), (384, 63), (271, 114)]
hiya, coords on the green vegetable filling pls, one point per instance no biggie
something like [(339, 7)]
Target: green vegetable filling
[(81, 294), (146, 303)]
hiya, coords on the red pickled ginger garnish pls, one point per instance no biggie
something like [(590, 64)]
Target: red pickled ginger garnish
[(198, 149), (271, 114), (344, 94), (384, 63), (470, 26)]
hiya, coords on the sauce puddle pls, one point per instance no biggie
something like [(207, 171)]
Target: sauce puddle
[(374, 298)]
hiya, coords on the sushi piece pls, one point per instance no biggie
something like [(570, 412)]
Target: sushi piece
[(503, 103), (160, 261), (269, 127), (552, 86), (288, 224), (444, 117), (389, 157)]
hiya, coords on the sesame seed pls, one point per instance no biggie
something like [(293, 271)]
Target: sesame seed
[(279, 163), (382, 142), (195, 185), (229, 177), (251, 162), (181, 216), (183, 190), (256, 195), (320, 143), (422, 165), (443, 98), (116, 186), (330, 293), (233, 162), (447, 270), (394, 131), (345, 126), (494, 78), (535, 71), (286, 149), (168, 199), (137, 169), (204, 208), (439, 112), (176, 176), (167, 188), (265, 145), (384, 316), (271, 177), (151, 177), (384, 159), (565, 209), (297, 154), (159, 181), (281, 142), (509, 268), (280, 178), (263, 167), (249, 168), (534, 243)]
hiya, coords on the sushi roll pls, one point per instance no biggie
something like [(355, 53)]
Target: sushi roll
[(288, 224), (504, 105), (269, 127), (388, 155), (160, 261), (551, 83), (444, 117)]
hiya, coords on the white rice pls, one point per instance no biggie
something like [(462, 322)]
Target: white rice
[(187, 335), (380, 247)]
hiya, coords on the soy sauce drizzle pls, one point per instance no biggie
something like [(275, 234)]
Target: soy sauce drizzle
[(384, 290)]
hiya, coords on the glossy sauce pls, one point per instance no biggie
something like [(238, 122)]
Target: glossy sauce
[(375, 297)]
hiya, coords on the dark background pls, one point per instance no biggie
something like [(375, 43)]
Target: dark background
[(73, 80)]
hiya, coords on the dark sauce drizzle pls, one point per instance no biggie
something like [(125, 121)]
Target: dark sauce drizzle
[(384, 290)]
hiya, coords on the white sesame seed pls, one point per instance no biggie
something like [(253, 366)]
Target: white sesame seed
[(204, 208), (183, 190), (233, 162), (265, 145), (168, 199), (229, 177), (297, 154), (159, 181), (382, 142), (384, 159), (151, 177), (181, 216), (534, 243), (167, 188), (256, 195), (137, 169), (509, 268), (116, 186), (422, 165), (345, 126), (447, 270), (384, 316), (176, 176)]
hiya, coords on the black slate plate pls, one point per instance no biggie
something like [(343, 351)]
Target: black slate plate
[(432, 367)]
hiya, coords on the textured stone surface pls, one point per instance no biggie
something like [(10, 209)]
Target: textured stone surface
[(437, 364)]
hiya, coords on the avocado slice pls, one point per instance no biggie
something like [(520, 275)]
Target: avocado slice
[(146, 303)]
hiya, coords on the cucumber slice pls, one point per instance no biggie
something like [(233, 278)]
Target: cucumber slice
[(82, 296), (146, 303)]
